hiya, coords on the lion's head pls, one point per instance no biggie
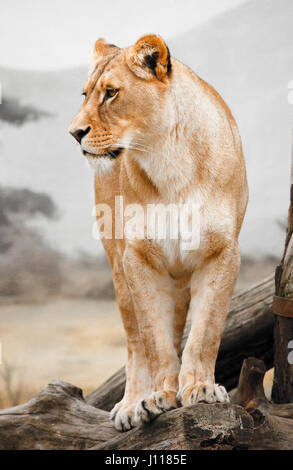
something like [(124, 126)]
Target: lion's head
[(124, 100)]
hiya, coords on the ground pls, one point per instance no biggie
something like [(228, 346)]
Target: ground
[(79, 341)]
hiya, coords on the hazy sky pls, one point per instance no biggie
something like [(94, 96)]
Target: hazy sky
[(47, 34)]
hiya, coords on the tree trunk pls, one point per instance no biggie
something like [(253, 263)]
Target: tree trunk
[(248, 332), (283, 330)]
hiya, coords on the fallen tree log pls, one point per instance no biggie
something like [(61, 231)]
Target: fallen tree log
[(248, 331), (59, 418), (202, 426)]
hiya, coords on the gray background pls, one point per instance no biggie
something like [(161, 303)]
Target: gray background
[(243, 48)]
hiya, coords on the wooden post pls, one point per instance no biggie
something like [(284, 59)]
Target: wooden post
[(283, 307)]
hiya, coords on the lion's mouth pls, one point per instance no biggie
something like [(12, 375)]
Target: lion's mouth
[(112, 154)]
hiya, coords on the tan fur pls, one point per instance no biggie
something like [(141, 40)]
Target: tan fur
[(180, 144)]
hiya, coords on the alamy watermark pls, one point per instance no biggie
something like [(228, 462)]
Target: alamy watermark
[(151, 221)]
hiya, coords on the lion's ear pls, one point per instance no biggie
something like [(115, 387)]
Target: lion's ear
[(101, 49), (149, 58)]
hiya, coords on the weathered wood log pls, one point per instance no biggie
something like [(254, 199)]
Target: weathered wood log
[(248, 331), (250, 393), (273, 423), (202, 426), (283, 331), (57, 418)]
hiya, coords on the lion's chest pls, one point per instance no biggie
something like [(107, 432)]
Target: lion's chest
[(184, 234)]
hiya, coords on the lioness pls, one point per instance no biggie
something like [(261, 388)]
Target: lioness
[(156, 133)]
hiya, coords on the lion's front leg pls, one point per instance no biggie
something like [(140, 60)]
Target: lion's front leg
[(153, 299), (137, 374), (211, 292), (137, 386)]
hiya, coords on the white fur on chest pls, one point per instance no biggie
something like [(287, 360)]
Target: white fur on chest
[(183, 233), (176, 228)]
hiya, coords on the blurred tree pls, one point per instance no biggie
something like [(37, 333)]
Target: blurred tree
[(13, 112)]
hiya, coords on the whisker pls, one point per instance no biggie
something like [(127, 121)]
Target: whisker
[(125, 146), (141, 145), (134, 145)]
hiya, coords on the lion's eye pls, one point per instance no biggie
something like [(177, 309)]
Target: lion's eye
[(83, 93), (110, 93)]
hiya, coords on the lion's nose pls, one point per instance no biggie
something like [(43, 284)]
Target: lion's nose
[(80, 133)]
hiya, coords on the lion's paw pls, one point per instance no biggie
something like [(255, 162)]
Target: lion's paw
[(115, 410), (156, 404), (123, 416), (203, 392)]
